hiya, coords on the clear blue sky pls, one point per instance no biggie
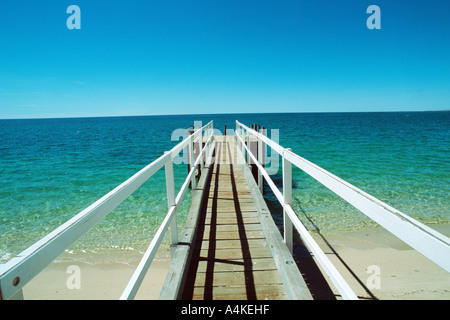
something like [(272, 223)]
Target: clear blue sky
[(222, 56)]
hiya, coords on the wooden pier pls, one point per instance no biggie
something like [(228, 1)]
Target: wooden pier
[(230, 247), (237, 252), (231, 257)]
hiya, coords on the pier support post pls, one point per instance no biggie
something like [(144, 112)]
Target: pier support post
[(170, 191), (248, 146), (287, 195), (260, 160), (189, 152), (192, 160), (242, 145), (263, 157)]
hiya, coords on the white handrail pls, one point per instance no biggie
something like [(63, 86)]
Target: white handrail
[(342, 286), (18, 271), (425, 240), (139, 274), (430, 243)]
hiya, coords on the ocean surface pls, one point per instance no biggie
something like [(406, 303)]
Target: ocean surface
[(51, 169)]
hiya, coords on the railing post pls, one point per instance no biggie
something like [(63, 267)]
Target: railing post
[(206, 147), (237, 132), (213, 139), (170, 191), (260, 160), (200, 144), (248, 147), (238, 141), (287, 195), (242, 143), (208, 135), (192, 160), (264, 147)]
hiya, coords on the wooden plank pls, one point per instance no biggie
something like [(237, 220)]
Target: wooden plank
[(231, 244), (232, 220), (251, 213), (231, 235), (222, 279), (272, 292), (231, 203), (227, 176), (238, 265), (233, 228), (230, 214), (225, 254), (230, 196), (228, 189), (230, 209)]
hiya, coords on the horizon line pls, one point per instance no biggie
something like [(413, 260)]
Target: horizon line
[(205, 114)]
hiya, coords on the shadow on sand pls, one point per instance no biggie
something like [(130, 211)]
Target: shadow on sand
[(315, 280)]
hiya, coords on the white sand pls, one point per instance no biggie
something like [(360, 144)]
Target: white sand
[(97, 281), (404, 273)]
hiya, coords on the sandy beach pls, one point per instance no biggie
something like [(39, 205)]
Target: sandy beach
[(375, 264), (97, 282), (402, 272)]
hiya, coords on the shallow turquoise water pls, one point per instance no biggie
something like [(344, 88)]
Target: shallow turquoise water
[(51, 169)]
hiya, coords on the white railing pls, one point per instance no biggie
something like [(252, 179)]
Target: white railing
[(20, 270), (425, 240)]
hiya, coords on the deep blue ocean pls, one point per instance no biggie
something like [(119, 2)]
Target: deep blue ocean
[(51, 169)]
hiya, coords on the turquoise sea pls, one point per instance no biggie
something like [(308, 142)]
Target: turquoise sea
[(51, 169)]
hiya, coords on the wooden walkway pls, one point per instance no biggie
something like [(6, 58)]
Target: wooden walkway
[(232, 256), (230, 247)]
